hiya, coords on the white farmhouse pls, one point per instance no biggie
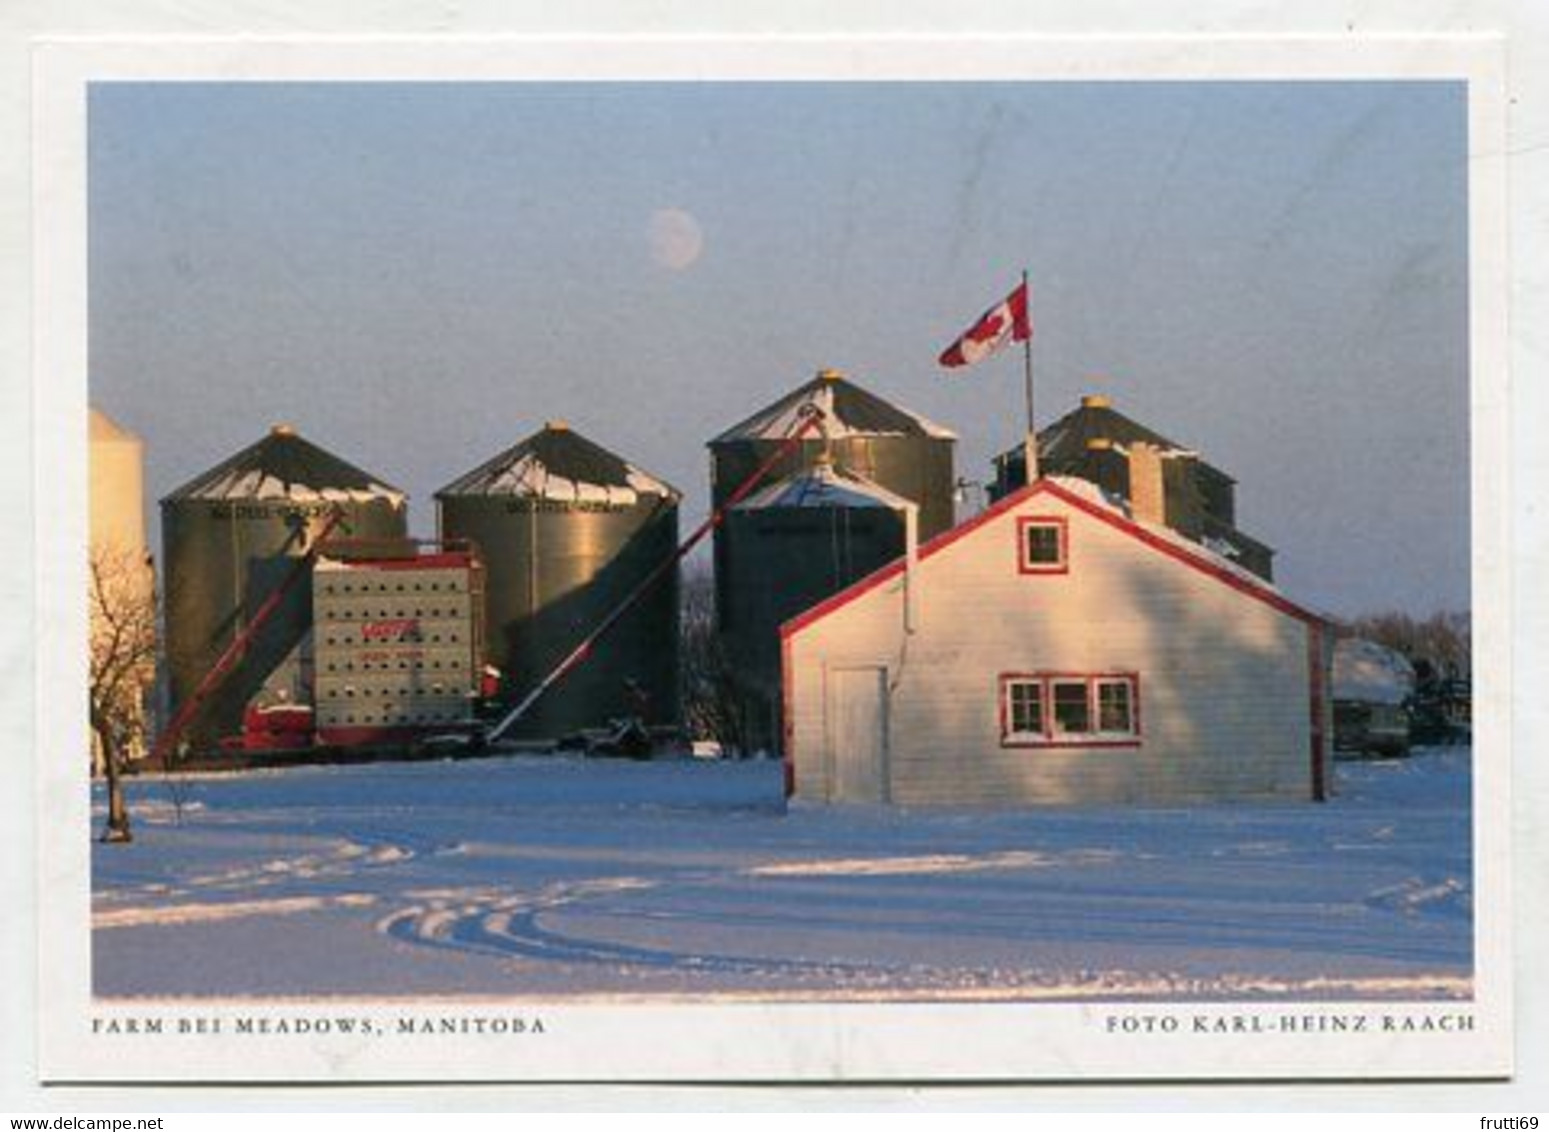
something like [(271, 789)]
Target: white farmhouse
[(1058, 648)]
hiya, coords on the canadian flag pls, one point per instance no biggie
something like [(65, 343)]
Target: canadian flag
[(1007, 322)]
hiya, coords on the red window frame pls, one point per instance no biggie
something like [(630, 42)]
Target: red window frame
[(1049, 738), (1061, 524)]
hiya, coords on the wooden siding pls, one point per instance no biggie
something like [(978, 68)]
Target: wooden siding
[(1224, 688)]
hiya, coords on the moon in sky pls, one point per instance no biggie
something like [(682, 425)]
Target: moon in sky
[(676, 240)]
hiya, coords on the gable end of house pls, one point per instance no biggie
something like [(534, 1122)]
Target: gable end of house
[(1170, 547)]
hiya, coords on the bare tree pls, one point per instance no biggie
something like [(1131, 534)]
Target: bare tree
[(122, 664), (712, 708), (1440, 641)]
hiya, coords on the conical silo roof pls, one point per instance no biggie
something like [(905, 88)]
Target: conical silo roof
[(848, 410), (559, 464), (824, 486), (284, 465), (1064, 443), (104, 428)]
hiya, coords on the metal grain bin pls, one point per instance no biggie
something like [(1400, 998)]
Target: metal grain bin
[(566, 530), (864, 436), (1092, 443), (121, 570), (796, 543), (229, 538), (117, 499)]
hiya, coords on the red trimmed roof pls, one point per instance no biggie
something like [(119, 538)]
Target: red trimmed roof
[(1175, 550)]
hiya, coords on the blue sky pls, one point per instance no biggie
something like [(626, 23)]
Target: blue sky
[(417, 275)]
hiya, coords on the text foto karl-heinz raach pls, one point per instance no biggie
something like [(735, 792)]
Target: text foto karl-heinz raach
[(1450, 1022)]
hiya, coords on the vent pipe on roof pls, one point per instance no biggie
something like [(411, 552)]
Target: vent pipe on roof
[(1096, 401)]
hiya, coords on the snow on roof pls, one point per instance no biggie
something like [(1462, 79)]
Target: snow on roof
[(528, 475), (1212, 551), (257, 484), (1367, 671), (1084, 494), (1090, 420), (1220, 547), (824, 486), (848, 410), (1063, 444), (559, 464), (284, 466)]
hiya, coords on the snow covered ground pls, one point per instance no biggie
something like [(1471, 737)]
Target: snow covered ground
[(548, 878)]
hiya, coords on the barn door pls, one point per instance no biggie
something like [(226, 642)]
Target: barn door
[(857, 734)]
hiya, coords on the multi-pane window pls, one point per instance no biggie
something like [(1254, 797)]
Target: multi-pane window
[(1115, 712), (1070, 709), (1041, 545), (1025, 706)]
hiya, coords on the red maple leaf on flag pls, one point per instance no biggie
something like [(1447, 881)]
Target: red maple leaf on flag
[(1003, 323)]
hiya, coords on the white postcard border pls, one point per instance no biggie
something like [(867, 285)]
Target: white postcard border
[(732, 1041)]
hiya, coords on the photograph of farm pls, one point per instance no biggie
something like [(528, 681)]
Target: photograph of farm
[(790, 542)]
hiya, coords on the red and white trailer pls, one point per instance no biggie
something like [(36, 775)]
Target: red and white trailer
[(397, 645)]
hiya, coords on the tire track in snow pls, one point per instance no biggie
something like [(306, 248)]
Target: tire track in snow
[(490, 923), (509, 927)]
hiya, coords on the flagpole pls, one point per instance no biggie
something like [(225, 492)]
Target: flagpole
[(1030, 442)]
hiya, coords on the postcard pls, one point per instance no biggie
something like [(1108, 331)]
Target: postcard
[(773, 560)]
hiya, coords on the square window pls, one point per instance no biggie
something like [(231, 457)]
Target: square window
[(1042, 545)]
